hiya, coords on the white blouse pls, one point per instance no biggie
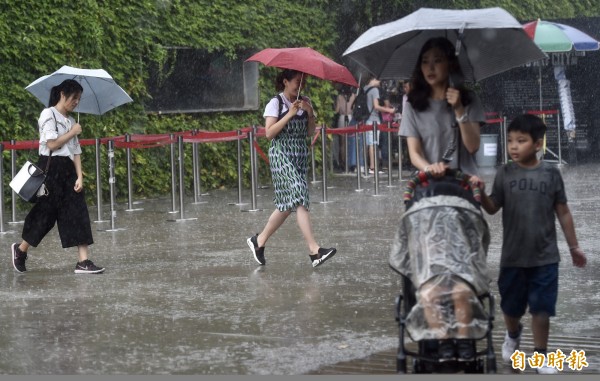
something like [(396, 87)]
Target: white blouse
[(51, 128)]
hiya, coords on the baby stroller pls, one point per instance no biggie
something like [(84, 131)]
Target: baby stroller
[(440, 251)]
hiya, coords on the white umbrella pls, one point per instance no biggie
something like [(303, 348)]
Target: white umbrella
[(488, 42), (100, 91)]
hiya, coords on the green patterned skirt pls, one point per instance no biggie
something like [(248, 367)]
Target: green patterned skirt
[(288, 161)]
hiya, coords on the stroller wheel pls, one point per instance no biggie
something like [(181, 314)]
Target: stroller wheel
[(418, 366), (401, 366), (491, 365), (474, 366)]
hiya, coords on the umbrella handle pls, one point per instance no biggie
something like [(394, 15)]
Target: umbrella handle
[(301, 77), (461, 35)]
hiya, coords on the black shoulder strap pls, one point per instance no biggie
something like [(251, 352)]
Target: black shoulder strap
[(50, 156), (55, 121), (280, 107)]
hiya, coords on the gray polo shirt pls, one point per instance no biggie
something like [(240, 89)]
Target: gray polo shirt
[(528, 197)]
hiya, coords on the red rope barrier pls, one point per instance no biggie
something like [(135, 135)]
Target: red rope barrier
[(209, 136), (141, 141)]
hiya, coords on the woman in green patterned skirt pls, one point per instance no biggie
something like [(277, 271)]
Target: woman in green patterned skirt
[(289, 120)]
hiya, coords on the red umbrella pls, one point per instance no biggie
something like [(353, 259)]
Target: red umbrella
[(305, 60)]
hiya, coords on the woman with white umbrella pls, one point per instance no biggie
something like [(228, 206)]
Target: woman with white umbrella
[(65, 203)]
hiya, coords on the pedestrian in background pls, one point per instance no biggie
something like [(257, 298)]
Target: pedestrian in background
[(375, 108), (289, 121), (343, 109), (65, 203)]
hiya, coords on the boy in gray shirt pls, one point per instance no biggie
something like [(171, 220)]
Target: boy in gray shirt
[(530, 193)]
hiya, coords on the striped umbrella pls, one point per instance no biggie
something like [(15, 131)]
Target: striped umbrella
[(555, 37)]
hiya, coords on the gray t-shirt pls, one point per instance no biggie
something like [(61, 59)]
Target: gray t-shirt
[(528, 197), (434, 128), (371, 97)]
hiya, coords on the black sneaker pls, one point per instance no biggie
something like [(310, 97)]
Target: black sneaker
[(446, 350), (465, 349), (18, 258), (323, 255), (88, 267), (258, 252)]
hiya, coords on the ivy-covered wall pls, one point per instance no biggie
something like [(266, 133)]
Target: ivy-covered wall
[(123, 37)]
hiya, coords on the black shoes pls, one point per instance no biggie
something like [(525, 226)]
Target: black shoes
[(322, 255), (18, 258), (461, 349), (87, 267), (446, 350), (465, 349), (258, 252)]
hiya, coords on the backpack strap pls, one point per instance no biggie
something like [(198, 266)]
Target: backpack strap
[(50, 156), (280, 107)]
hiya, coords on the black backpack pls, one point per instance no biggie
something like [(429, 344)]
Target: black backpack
[(361, 109)]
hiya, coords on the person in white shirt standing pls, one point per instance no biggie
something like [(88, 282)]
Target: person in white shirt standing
[(65, 204)]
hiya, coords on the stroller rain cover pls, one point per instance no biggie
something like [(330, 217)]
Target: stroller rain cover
[(441, 247)]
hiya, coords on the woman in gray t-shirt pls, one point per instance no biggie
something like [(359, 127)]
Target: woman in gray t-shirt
[(437, 110)]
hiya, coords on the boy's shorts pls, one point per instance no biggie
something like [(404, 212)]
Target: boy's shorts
[(533, 286)]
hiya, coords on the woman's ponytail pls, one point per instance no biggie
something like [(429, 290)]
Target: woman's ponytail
[(68, 87), (54, 96)]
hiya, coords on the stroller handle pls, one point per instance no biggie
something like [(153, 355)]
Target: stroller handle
[(422, 178)]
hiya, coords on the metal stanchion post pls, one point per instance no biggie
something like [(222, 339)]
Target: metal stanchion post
[(252, 172), (256, 177), (129, 178), (346, 146), (313, 164), (324, 155), (390, 153), (357, 150), (375, 158), (13, 172), (196, 170), (365, 154), (330, 154), (98, 183), (239, 168), (111, 181), (181, 183), (173, 181)]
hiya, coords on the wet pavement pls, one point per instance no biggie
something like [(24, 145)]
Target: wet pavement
[(186, 297)]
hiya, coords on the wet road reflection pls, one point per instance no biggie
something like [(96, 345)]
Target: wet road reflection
[(187, 297)]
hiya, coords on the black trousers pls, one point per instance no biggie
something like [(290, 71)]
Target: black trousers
[(63, 206)]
